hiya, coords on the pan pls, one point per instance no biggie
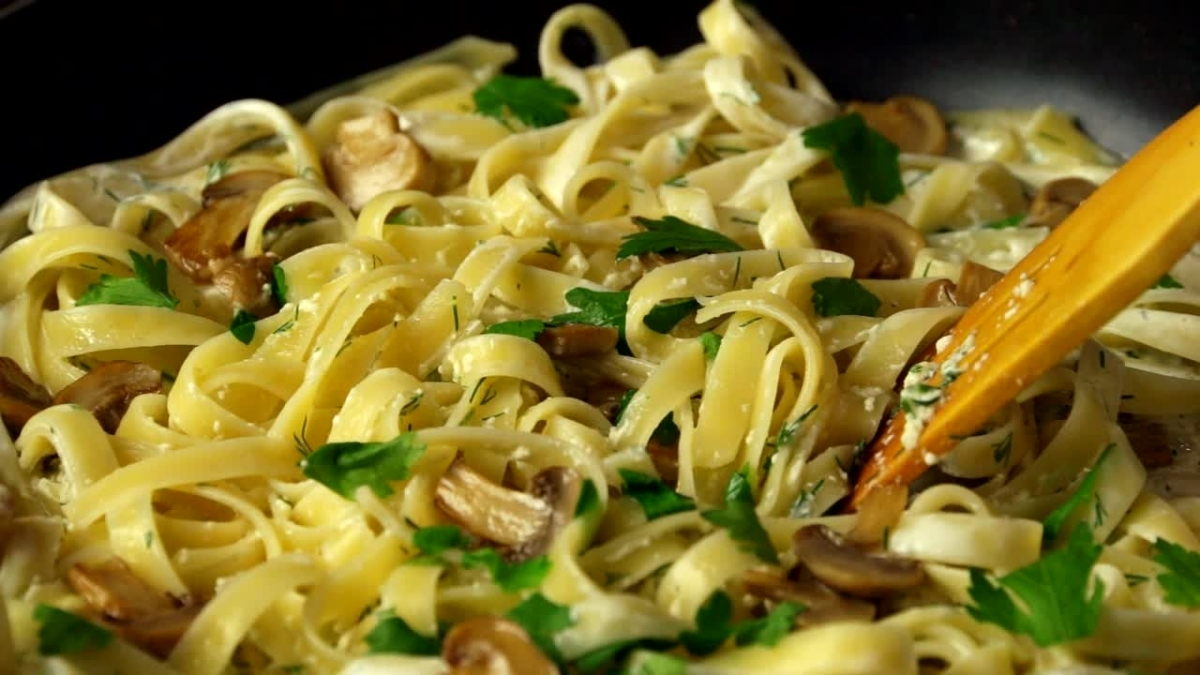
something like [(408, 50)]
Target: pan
[(345, 436)]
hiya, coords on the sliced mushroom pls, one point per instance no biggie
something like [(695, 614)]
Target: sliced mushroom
[(913, 124), (114, 590), (247, 283), (882, 244), (490, 645), (20, 397), (525, 523), (974, 281), (824, 605), (372, 156), (575, 339), (939, 293), (109, 388), (1056, 200), (850, 569), (212, 233), (666, 460), (126, 604), (606, 397)]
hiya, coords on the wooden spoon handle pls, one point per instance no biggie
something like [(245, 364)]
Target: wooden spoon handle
[(1117, 244)]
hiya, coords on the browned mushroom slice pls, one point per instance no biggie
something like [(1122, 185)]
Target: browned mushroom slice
[(882, 244), (606, 397), (1056, 200), (666, 460), (211, 234), (974, 281), (525, 523), (939, 293), (372, 156), (850, 569), (912, 123), (823, 604), (576, 339), (247, 283), (20, 397), (126, 604), (109, 388), (490, 645), (115, 591)]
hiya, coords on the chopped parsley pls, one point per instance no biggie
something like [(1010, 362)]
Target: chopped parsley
[(1168, 281), (711, 343), (510, 577), (1087, 489), (666, 315), (147, 287), (714, 625), (542, 619), (653, 495), (393, 636), (673, 235), (1181, 581), (279, 287), (868, 162), (1005, 223), (345, 466), (243, 326), (62, 632), (840, 296), (739, 518), (526, 328), (535, 101), (1055, 604), (438, 539)]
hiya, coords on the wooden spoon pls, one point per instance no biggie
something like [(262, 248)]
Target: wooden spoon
[(1112, 248)]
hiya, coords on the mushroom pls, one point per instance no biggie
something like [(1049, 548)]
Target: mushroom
[(372, 156), (490, 645), (20, 397), (882, 244), (525, 523), (850, 569), (824, 605), (1056, 200), (666, 460), (606, 397), (913, 124), (973, 282), (126, 604), (247, 283), (210, 235), (109, 388), (576, 339)]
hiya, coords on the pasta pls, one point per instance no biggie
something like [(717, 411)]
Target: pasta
[(446, 369)]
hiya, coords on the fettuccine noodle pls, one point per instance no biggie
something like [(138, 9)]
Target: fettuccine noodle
[(251, 546)]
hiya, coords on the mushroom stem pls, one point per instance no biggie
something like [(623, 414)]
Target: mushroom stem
[(882, 244), (108, 389)]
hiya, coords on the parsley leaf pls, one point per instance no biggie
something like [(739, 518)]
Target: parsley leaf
[(393, 636), (1053, 590), (279, 287), (601, 659), (665, 315), (1005, 223), (653, 495), (147, 287), (595, 308), (536, 101), (838, 296), (868, 162), (589, 499), (243, 326), (711, 343), (438, 539), (1181, 581), (673, 235), (510, 577), (741, 521), (770, 629), (712, 625), (526, 328), (62, 632), (1168, 281), (661, 664), (542, 618), (1087, 488), (344, 467)]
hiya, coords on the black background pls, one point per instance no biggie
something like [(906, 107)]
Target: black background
[(87, 81)]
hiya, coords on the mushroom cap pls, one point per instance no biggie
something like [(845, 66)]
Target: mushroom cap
[(108, 389), (850, 569), (882, 244), (912, 123), (490, 645), (1056, 200), (372, 156)]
